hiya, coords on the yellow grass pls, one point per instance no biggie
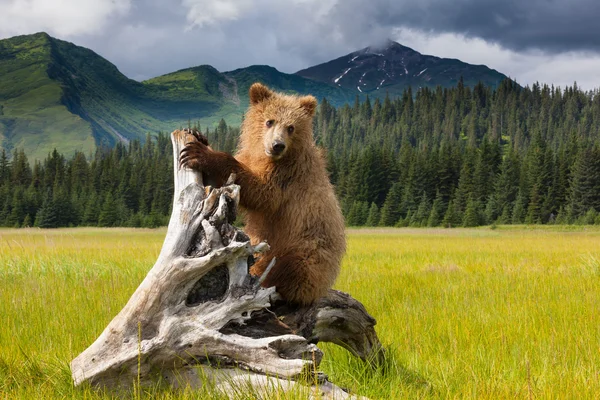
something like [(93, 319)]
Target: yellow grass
[(480, 313)]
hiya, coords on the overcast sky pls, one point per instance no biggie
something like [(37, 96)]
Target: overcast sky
[(551, 41)]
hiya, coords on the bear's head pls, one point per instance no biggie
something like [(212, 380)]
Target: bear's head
[(276, 123)]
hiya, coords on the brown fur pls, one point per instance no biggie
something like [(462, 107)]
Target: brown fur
[(288, 199)]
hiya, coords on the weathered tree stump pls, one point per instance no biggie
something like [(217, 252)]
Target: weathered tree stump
[(198, 315)]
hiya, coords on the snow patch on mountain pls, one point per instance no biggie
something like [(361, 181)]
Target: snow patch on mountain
[(394, 66), (342, 75)]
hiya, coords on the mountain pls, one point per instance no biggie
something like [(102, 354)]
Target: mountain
[(56, 94), (393, 68), (205, 94)]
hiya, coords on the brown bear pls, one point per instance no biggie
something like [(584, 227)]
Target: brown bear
[(284, 191)]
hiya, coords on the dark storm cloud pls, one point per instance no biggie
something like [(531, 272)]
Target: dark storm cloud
[(550, 26), (147, 38), (156, 38)]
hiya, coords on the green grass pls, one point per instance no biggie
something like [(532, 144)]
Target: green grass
[(464, 313)]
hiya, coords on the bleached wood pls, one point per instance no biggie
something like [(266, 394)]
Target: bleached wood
[(179, 328)]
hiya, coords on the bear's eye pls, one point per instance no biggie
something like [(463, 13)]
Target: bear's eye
[(269, 123), (290, 129)]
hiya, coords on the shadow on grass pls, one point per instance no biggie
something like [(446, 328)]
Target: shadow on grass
[(385, 380)]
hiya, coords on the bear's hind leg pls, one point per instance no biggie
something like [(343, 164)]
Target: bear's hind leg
[(299, 277)]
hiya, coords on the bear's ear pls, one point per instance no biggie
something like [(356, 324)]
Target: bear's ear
[(309, 104), (259, 93)]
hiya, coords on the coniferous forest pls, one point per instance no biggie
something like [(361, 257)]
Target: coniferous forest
[(437, 157)]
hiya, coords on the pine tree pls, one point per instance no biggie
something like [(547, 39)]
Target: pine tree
[(27, 222), (20, 169), (17, 213), (358, 213), (390, 213), (472, 214), (420, 217), (108, 214), (564, 215), (7, 207), (353, 218), (505, 218), (47, 216), (92, 209), (374, 216), (4, 167), (491, 210), (505, 189), (134, 221), (519, 211), (64, 208), (533, 209), (466, 184), (155, 218), (435, 216), (590, 217), (364, 212), (452, 218), (585, 185)]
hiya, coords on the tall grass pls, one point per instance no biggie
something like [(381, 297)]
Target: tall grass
[(481, 314)]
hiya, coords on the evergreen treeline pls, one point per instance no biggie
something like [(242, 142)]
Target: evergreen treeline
[(128, 185), (466, 157), (444, 157)]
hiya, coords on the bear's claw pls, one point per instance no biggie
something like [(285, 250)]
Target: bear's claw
[(198, 135), (192, 154)]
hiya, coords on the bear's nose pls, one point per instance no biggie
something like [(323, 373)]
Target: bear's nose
[(278, 147)]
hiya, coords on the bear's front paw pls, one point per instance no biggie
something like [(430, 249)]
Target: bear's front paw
[(198, 135), (194, 156)]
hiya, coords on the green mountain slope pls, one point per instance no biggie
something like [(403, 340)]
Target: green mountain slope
[(56, 94), (33, 113), (225, 95), (245, 77)]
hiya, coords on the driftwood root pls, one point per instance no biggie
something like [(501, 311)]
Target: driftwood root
[(199, 317)]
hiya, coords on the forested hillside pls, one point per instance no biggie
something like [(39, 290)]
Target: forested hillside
[(444, 157)]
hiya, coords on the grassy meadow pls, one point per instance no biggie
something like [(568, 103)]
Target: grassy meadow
[(464, 313)]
